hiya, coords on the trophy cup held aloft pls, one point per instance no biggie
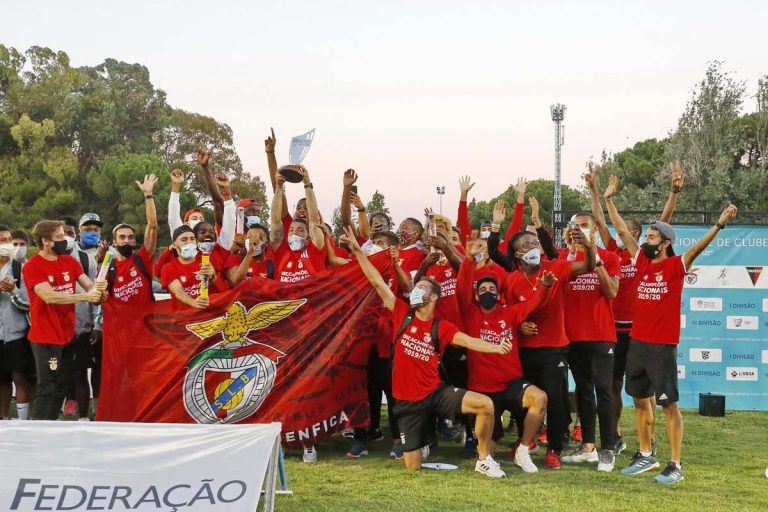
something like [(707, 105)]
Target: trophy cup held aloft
[(300, 144)]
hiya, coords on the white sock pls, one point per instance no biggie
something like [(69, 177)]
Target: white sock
[(522, 447), (23, 410), (646, 454)]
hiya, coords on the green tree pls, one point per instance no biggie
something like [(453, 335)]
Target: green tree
[(377, 204)]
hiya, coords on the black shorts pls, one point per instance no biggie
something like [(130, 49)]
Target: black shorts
[(18, 358), (652, 370), (511, 399), (413, 418), (620, 355), (82, 351)]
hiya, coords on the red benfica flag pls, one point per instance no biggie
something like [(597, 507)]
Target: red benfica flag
[(266, 351)]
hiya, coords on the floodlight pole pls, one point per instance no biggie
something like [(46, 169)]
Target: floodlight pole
[(557, 113)]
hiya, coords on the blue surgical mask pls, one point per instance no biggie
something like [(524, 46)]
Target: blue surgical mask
[(90, 238), (296, 243), (416, 298), (189, 251), (252, 220)]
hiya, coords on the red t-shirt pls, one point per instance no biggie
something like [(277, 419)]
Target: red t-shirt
[(165, 257), (410, 259), (189, 277), (130, 284), (448, 305), (294, 266), (489, 373), (256, 268), (657, 301), (550, 317), (415, 373), (589, 313), (624, 303), (51, 323)]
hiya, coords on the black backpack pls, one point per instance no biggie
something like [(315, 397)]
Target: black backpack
[(435, 340), (16, 272), (112, 273)]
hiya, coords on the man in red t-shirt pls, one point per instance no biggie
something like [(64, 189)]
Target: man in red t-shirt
[(623, 304), (299, 251), (652, 356), (543, 344), (183, 275), (417, 386), (590, 328), (501, 377), (129, 275), (50, 277), (411, 246), (256, 259)]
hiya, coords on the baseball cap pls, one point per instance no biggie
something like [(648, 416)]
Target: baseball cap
[(665, 229), (90, 218)]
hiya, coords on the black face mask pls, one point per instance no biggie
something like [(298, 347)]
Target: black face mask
[(651, 251), (488, 300), (60, 247), (125, 250)]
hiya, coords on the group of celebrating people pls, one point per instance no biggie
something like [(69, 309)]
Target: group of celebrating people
[(474, 322)]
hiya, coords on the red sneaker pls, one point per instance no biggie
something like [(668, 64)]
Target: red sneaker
[(534, 446), (552, 460), (543, 435), (576, 435), (70, 408)]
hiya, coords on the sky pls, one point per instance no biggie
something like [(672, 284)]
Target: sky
[(414, 94)]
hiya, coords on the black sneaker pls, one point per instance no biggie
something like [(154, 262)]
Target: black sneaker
[(620, 445), (447, 432), (358, 450), (375, 434), (671, 474)]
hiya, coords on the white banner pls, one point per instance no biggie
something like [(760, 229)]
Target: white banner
[(78, 466)]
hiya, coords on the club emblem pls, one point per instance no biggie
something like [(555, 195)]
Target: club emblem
[(229, 381), (53, 364), (133, 272), (65, 276)]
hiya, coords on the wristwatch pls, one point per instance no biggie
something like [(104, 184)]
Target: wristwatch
[(599, 264)]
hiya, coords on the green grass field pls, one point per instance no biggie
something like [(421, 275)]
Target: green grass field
[(724, 461)]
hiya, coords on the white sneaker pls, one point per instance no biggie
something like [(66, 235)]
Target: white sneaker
[(580, 456), (607, 461), (489, 467), (348, 433), (523, 459), (310, 454), (424, 452)]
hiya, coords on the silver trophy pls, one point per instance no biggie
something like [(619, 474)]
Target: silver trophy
[(298, 150)]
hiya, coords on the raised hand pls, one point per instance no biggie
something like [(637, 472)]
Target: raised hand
[(474, 248), (613, 186), (578, 237), (547, 279), (677, 176), (535, 210), (522, 185), (728, 214), (203, 155), (499, 212), (591, 176), (465, 185), (439, 242), (177, 177), (148, 184), (350, 177), (270, 142), (349, 239), (223, 182), (356, 201)]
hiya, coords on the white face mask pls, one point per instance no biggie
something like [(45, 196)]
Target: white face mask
[(485, 235), (70, 243), (587, 233), (205, 247), (479, 257), (193, 222), (257, 249), (189, 251), (21, 253), (532, 257), (7, 250), (296, 243), (373, 249)]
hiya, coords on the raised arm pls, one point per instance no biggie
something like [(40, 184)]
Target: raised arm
[(505, 261), (590, 178), (678, 178), (229, 217), (202, 156), (691, 254), (275, 220), (618, 223), (545, 239), (150, 232), (174, 200), (517, 216), (465, 290), (403, 277), (462, 217), (350, 178), (373, 275), (429, 260), (442, 243), (588, 263), (313, 213), (364, 228), (269, 148)]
